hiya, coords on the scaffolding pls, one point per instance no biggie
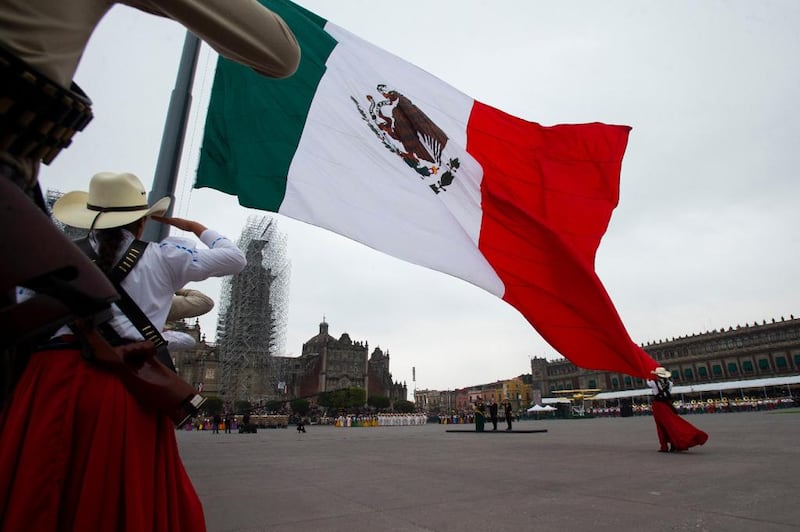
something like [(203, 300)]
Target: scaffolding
[(251, 327)]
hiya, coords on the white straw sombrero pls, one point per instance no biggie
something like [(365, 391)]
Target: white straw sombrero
[(664, 373), (188, 303), (113, 200)]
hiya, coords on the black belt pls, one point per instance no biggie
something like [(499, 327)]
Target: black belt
[(38, 117), (70, 341), (59, 343)]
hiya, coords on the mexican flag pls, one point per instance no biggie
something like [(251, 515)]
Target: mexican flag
[(364, 144)]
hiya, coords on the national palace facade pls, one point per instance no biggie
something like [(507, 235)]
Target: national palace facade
[(768, 349), (752, 351)]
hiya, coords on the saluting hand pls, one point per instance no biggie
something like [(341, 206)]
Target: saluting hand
[(183, 224)]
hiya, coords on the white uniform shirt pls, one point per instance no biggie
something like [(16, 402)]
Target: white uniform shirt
[(178, 341), (654, 386), (166, 267)]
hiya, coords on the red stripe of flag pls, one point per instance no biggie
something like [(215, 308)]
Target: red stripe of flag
[(547, 197)]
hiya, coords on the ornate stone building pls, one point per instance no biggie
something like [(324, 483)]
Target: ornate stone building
[(380, 378), (768, 349), (518, 391), (198, 365), (328, 364), (757, 351)]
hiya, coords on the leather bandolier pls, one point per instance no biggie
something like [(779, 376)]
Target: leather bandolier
[(38, 119), (149, 373), (664, 395)]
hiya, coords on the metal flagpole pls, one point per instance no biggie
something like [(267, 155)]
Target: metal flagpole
[(169, 155), (414, 381)]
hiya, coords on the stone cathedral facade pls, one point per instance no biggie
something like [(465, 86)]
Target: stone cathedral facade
[(329, 364)]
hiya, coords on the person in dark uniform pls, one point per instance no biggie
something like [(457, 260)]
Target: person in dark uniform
[(508, 412), (480, 414), (493, 414)]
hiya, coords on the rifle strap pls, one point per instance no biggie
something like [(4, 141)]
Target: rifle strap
[(126, 304)]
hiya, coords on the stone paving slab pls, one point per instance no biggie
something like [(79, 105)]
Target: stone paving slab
[(587, 474)]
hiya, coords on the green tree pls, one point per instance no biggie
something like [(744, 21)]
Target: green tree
[(242, 406), (343, 399), (378, 401), (273, 406), (403, 406), (326, 399), (213, 405), (300, 406), (340, 398), (355, 397)]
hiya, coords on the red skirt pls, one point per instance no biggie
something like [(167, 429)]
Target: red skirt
[(77, 452), (680, 433)]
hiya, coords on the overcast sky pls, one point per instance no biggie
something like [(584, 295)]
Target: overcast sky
[(706, 234)]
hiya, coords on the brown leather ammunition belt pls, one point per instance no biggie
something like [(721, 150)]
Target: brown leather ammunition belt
[(38, 117)]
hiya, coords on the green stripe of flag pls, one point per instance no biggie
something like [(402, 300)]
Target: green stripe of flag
[(254, 124)]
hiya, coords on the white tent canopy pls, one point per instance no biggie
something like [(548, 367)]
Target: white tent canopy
[(540, 408), (708, 387), (555, 400)]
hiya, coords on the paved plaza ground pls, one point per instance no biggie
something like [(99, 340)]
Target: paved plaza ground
[(594, 475)]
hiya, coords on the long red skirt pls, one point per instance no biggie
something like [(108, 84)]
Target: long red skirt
[(673, 429), (77, 452)]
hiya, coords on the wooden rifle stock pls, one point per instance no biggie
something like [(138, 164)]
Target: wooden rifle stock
[(149, 381)]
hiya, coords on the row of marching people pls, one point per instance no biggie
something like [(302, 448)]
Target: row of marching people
[(381, 420)]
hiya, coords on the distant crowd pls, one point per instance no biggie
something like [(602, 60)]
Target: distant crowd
[(708, 406), (457, 419), (380, 420)]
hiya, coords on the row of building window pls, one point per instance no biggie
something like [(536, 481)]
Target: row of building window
[(730, 343), (781, 364)]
